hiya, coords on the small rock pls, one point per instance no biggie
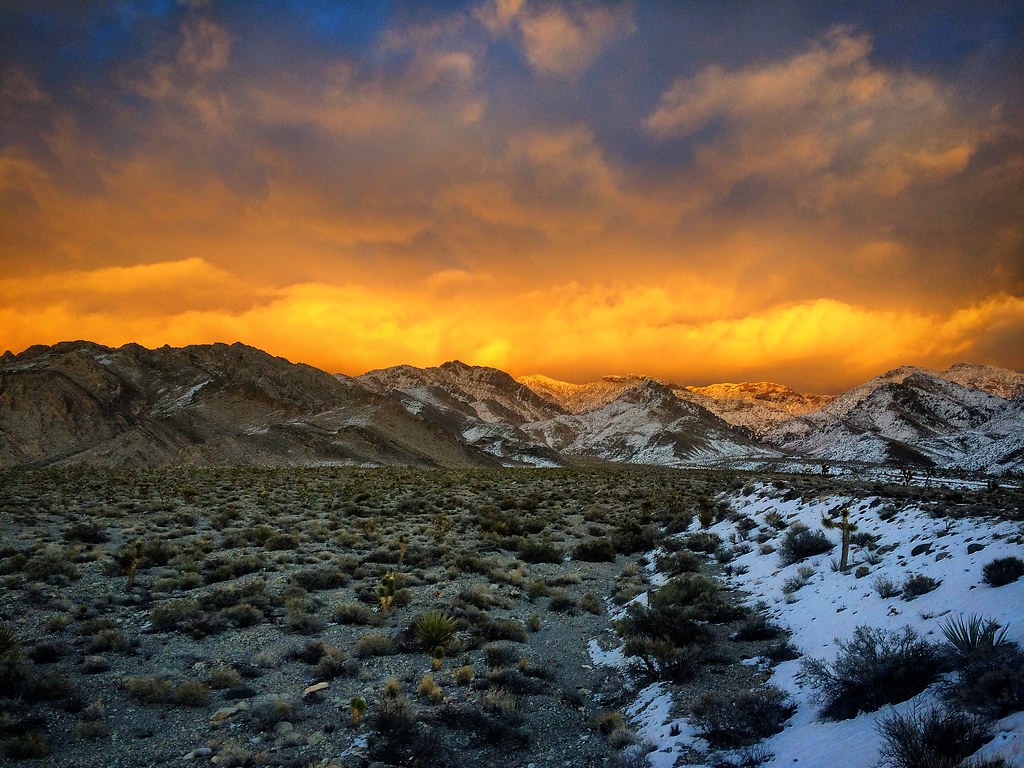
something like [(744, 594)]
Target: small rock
[(225, 712), (283, 728), (315, 688), (197, 753), (975, 547)]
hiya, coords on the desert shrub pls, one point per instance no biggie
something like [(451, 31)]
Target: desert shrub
[(241, 616), (498, 701), (663, 658), (560, 600), (757, 626), (704, 541), (375, 644), (355, 613), (886, 588), (1002, 570), (222, 678), (609, 722), (873, 668), (800, 542), (918, 584), (742, 719), (595, 551), (990, 683), (149, 690), (52, 565), (395, 740), (333, 664), (428, 689), (267, 711), (500, 654), (192, 693), (314, 579), (26, 746), (300, 615), (747, 757), (434, 629), (463, 675), (46, 653), (92, 722), (228, 567), (477, 595), (505, 629), (591, 603), (86, 532), (631, 537), (799, 580), (679, 562), (539, 552), (931, 738), (696, 597), (107, 640), (280, 542)]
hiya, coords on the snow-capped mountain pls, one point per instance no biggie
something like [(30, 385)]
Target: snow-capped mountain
[(649, 423), (487, 393), (221, 404), (757, 406), (482, 406), (996, 381), (580, 398), (908, 416)]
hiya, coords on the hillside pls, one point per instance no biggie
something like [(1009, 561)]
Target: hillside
[(212, 404), (232, 404)]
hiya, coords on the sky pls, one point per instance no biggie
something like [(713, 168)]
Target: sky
[(809, 193)]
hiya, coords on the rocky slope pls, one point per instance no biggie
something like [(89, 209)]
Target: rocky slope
[(211, 404), (757, 406), (580, 398), (483, 407), (220, 404), (649, 424), (913, 416)]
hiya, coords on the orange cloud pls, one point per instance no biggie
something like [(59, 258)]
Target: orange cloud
[(561, 40), (561, 331)]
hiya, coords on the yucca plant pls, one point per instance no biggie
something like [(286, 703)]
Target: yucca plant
[(9, 644), (973, 636), (435, 629)]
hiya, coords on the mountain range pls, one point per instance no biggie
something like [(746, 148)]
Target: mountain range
[(80, 402)]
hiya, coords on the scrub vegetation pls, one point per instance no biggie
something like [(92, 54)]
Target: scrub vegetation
[(343, 616)]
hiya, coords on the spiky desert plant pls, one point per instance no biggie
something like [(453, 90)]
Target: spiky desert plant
[(973, 636), (9, 645), (357, 705), (435, 629), (386, 591)]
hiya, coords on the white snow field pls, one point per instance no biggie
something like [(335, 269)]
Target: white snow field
[(832, 604)]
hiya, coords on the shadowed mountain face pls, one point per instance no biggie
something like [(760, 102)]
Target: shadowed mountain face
[(221, 404), (211, 404)]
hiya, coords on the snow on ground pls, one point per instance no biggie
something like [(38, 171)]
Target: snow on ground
[(831, 605)]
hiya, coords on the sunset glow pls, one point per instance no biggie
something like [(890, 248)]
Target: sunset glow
[(697, 192)]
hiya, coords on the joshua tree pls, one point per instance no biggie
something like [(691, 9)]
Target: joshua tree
[(842, 522)]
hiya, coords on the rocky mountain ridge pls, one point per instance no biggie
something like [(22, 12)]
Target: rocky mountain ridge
[(233, 404)]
